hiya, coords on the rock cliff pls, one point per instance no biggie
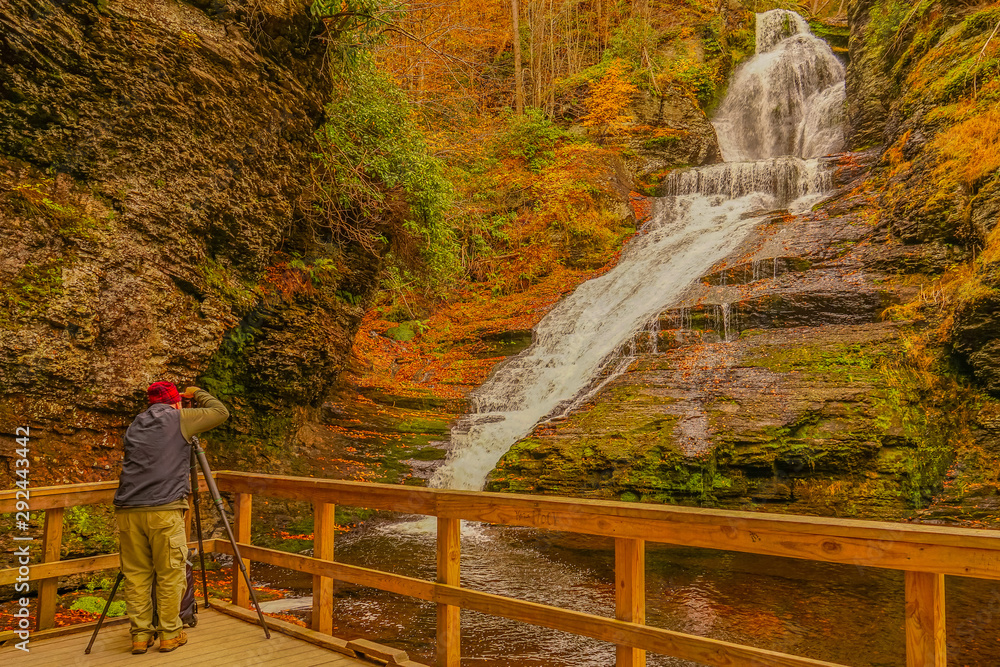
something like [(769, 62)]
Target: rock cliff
[(154, 166)]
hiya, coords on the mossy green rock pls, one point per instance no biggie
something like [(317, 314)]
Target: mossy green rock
[(404, 331), (808, 427)]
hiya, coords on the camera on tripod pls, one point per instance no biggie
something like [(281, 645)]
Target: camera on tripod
[(197, 460)]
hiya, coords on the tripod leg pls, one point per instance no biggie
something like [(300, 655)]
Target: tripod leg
[(214, 490), (100, 621), (197, 522)]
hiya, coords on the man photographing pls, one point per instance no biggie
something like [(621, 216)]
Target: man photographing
[(150, 505)]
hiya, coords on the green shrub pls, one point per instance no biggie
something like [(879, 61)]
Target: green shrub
[(694, 77), (531, 137), (95, 605), (634, 41), (90, 529), (886, 19), (379, 184)]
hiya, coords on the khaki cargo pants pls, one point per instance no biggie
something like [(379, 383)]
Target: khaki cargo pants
[(153, 546)]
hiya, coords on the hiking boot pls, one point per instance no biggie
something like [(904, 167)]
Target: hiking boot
[(167, 645), (140, 647)]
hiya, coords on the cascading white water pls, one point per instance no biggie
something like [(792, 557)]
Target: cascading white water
[(788, 179), (779, 110), (787, 99)]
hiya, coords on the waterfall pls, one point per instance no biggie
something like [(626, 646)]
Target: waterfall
[(787, 99), (786, 178), (782, 107)]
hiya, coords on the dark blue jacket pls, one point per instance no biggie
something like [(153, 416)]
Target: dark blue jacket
[(157, 464)]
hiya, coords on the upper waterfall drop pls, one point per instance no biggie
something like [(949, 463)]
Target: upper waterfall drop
[(785, 101), (783, 107)]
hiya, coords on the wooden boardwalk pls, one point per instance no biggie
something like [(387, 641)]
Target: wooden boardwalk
[(924, 554), (218, 639)]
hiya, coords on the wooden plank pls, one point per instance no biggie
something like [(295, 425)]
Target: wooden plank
[(766, 536), (541, 512), (355, 494), (218, 639), (688, 647), (242, 507), (233, 647), (323, 542), (63, 568), (449, 625), (48, 589), (956, 551), (553, 513), (926, 645), (310, 659), (475, 504), (53, 633), (667, 642), (311, 636), (352, 574), (378, 652), (630, 595), (67, 495)]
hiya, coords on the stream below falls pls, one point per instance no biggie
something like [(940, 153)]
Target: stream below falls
[(845, 614)]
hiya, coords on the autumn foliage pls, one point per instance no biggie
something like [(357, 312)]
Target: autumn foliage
[(607, 105)]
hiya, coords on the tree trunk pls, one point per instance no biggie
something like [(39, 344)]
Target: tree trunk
[(518, 85), (536, 44), (552, 61), (600, 24)]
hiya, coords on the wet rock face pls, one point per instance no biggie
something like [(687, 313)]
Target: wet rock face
[(184, 125), (867, 86), (768, 386), (904, 72), (153, 157), (788, 418), (976, 333), (670, 131)]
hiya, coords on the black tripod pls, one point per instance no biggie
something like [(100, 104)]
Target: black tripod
[(197, 455)]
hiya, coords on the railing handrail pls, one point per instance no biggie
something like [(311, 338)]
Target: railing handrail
[(940, 549), (442, 502), (65, 495), (924, 553)]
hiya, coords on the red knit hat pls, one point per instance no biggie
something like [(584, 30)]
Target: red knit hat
[(163, 392)]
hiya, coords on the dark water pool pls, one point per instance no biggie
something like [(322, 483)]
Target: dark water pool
[(846, 614)]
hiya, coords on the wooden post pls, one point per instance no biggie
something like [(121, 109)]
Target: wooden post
[(48, 589), (449, 628), (925, 627), (323, 531), (242, 507), (630, 594)]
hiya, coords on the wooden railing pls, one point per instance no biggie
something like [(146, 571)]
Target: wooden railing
[(924, 553), (44, 576)]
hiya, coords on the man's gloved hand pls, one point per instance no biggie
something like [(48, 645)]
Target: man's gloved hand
[(187, 398)]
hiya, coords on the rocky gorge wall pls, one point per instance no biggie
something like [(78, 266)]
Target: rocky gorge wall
[(840, 362), (154, 169)]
